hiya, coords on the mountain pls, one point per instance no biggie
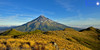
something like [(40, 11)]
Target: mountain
[(42, 23), (11, 32)]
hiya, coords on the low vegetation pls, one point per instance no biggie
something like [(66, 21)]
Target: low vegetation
[(67, 39)]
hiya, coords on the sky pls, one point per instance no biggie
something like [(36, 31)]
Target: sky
[(75, 13)]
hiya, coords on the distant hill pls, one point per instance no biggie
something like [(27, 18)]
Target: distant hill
[(2, 29), (91, 29), (12, 32), (42, 23), (93, 32)]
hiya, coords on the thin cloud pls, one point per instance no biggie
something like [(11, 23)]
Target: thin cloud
[(41, 11), (65, 4), (2, 4), (16, 16), (16, 19)]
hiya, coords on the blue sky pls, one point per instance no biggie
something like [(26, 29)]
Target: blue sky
[(76, 13)]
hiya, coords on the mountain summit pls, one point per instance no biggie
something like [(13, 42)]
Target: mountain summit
[(41, 23), (41, 18)]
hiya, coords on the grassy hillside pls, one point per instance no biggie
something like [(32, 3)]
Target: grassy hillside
[(68, 39), (89, 39), (39, 42)]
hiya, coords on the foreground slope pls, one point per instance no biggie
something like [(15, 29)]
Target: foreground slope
[(60, 39), (39, 42), (36, 40)]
